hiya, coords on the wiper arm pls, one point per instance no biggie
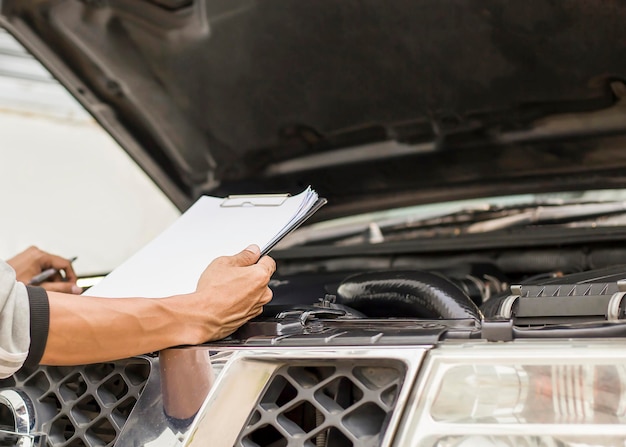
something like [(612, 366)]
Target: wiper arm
[(548, 214)]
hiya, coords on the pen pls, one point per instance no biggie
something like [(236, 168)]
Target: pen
[(46, 274)]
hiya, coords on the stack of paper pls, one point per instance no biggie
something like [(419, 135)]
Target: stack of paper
[(211, 227)]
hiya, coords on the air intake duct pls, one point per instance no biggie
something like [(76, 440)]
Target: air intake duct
[(407, 294)]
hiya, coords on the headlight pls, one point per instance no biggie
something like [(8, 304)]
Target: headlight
[(519, 394)]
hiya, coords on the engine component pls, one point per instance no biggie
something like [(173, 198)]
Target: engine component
[(414, 294), (575, 298)]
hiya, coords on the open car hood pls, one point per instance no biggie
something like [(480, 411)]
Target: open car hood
[(374, 103)]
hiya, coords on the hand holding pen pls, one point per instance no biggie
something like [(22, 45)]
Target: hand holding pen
[(37, 267), (47, 274)]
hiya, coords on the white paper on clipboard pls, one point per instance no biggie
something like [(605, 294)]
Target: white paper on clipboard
[(212, 227)]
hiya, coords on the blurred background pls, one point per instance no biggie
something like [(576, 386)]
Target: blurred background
[(65, 185)]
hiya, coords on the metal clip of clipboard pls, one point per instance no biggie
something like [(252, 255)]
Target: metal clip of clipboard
[(236, 201)]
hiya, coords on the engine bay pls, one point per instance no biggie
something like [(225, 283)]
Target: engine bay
[(572, 291)]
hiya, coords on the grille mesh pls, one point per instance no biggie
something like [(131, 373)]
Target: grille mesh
[(83, 406), (340, 404)]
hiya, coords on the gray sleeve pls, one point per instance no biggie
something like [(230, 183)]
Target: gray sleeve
[(14, 322), (24, 322)]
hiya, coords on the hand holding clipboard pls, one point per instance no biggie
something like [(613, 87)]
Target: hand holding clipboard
[(212, 227)]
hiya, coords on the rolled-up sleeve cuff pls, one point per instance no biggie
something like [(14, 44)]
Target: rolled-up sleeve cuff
[(39, 324)]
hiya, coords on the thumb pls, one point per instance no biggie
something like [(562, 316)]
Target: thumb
[(248, 256)]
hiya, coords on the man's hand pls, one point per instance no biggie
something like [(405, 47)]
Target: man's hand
[(32, 261), (232, 290)]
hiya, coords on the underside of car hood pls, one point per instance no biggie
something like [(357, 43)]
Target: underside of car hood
[(374, 103)]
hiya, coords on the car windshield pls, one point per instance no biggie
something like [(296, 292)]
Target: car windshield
[(570, 208)]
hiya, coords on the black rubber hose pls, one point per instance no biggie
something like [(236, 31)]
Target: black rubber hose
[(491, 307), (406, 294)]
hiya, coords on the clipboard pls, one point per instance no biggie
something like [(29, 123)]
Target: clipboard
[(213, 226), (261, 200), (254, 200)]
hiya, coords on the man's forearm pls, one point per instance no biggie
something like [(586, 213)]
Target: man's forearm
[(230, 291), (87, 330)]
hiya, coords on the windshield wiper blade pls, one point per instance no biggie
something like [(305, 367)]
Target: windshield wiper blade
[(319, 233)]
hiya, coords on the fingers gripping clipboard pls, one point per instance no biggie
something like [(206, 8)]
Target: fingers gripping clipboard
[(212, 227)]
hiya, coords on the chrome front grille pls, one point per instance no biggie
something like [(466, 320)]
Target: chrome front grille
[(82, 406), (336, 404)]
